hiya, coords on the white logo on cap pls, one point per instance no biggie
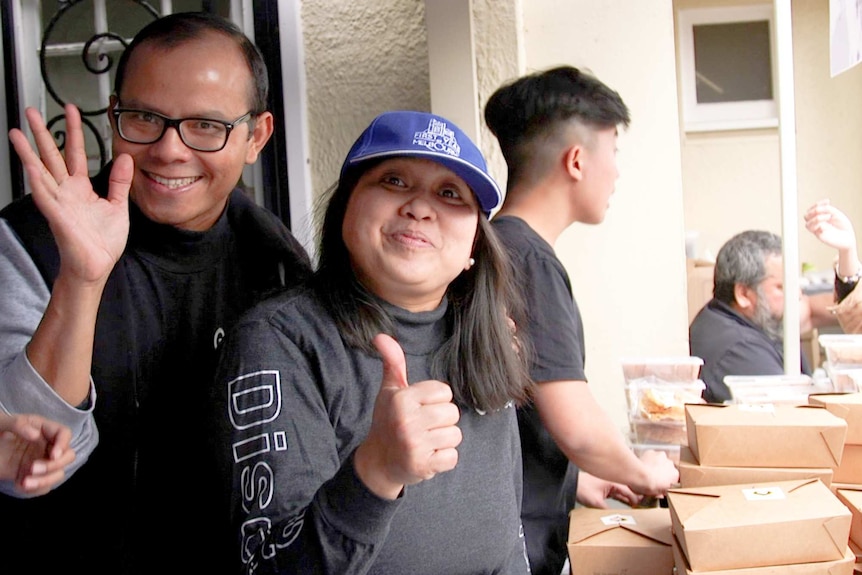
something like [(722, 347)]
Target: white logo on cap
[(438, 138)]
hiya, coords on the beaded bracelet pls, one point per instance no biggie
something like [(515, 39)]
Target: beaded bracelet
[(850, 279)]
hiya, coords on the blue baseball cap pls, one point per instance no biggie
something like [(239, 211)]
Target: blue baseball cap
[(423, 135)]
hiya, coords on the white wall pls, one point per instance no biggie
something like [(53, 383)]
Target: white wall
[(828, 126), (731, 180)]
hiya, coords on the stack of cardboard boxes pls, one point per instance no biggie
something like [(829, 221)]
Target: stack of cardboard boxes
[(769, 486), (754, 492), (847, 482), (766, 488), (657, 390)]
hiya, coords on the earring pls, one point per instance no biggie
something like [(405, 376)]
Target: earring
[(470, 263)]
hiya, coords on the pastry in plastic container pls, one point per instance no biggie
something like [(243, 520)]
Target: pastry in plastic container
[(842, 350), (657, 409), (652, 399)]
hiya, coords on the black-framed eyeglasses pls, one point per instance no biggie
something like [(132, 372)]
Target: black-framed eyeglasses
[(201, 134)]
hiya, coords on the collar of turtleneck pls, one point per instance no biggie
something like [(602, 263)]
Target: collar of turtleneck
[(176, 249), (419, 333)]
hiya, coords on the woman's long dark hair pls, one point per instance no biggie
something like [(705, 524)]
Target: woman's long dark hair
[(482, 360)]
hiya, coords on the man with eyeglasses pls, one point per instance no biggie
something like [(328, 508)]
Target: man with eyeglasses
[(117, 292)]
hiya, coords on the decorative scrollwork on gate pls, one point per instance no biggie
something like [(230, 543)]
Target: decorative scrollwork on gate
[(95, 62)]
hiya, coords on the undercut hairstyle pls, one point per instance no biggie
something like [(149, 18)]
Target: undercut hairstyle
[(177, 29), (742, 260), (536, 114), (483, 361)]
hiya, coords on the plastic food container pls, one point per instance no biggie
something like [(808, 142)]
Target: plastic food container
[(659, 432), (774, 389), (668, 369), (844, 379), (653, 399), (842, 349)]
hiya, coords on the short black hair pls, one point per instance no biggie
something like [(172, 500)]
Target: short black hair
[(182, 27), (536, 106)]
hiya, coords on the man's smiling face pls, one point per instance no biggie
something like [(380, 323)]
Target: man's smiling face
[(206, 77)]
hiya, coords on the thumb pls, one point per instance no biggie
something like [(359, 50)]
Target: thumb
[(394, 364), (121, 178)]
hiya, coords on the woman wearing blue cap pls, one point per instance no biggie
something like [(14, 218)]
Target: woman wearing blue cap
[(369, 415)]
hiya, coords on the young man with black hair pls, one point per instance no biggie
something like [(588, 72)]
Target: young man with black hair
[(558, 131)]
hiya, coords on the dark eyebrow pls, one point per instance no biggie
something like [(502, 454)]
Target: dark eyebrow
[(206, 115)]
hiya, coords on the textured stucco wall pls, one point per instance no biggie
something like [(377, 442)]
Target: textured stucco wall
[(362, 58), (366, 57), (499, 59)]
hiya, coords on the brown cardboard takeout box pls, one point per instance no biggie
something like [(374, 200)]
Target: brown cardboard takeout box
[(623, 541), (850, 470), (843, 566), (693, 474), (852, 498), (752, 525), (847, 406), (765, 435)]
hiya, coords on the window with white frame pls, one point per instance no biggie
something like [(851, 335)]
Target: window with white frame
[(727, 68)]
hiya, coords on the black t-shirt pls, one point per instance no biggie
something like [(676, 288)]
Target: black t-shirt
[(556, 330)]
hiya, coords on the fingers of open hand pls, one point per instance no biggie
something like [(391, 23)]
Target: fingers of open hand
[(76, 155), (49, 153), (74, 162), (41, 179)]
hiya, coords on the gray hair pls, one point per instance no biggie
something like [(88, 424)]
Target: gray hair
[(742, 260)]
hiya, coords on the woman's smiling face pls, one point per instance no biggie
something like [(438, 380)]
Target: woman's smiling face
[(409, 228)]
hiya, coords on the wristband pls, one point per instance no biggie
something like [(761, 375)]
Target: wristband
[(850, 279)]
